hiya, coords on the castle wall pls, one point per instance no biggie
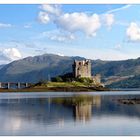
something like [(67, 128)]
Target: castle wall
[(82, 68), (97, 78)]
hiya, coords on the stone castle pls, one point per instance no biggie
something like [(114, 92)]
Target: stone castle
[(83, 69)]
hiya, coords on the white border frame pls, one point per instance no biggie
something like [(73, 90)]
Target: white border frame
[(69, 1)]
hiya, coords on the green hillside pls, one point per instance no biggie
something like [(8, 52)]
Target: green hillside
[(128, 83), (34, 69)]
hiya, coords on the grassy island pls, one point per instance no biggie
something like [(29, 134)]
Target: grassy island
[(82, 84)]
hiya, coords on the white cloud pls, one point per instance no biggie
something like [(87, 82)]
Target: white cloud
[(119, 9), (114, 11), (74, 22), (43, 17), (49, 12), (133, 32), (87, 23), (12, 53), (56, 35), (109, 19), (4, 25), (70, 22), (60, 54), (61, 38), (9, 54), (51, 9)]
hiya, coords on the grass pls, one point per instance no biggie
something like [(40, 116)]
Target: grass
[(57, 86), (62, 84)]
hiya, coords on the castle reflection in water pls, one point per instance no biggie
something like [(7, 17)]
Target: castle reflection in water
[(81, 108), (83, 111), (49, 114), (47, 109), (82, 105)]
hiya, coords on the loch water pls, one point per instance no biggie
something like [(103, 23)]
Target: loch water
[(70, 113)]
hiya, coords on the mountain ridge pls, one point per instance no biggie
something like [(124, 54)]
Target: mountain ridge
[(34, 69)]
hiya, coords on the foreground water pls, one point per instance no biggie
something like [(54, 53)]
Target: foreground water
[(63, 113)]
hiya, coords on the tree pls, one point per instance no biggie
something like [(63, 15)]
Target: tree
[(58, 79)]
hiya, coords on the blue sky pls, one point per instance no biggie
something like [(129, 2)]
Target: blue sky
[(107, 32)]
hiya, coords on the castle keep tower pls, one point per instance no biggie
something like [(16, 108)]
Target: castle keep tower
[(82, 68)]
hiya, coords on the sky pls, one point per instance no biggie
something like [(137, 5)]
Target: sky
[(107, 32)]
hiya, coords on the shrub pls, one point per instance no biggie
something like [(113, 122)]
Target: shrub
[(85, 80), (58, 79), (41, 82)]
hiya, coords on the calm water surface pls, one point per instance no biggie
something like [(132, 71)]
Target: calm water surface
[(61, 113)]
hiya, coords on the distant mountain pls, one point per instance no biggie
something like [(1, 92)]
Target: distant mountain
[(33, 69), (1, 66), (133, 82), (120, 74), (118, 68)]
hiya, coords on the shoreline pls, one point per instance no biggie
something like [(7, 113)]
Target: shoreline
[(58, 89)]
